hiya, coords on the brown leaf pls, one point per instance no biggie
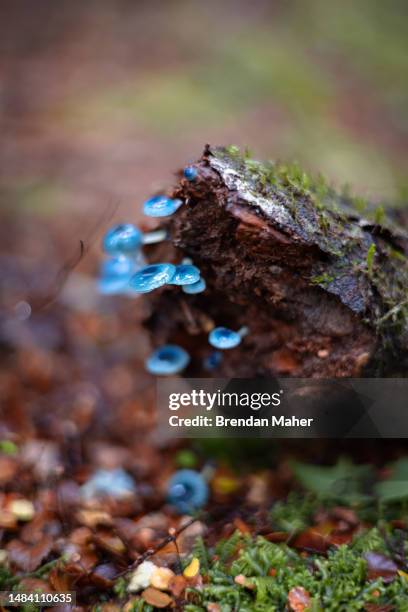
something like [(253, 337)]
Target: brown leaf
[(241, 525), (161, 578), (103, 576), (8, 469), (60, 580), (7, 520), (380, 566), (298, 599), (157, 598), (177, 585), (29, 557), (312, 540), (109, 543), (92, 518), (345, 514)]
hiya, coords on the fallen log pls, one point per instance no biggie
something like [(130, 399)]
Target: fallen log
[(320, 283)]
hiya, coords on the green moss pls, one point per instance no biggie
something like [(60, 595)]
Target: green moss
[(295, 513), (322, 279), (337, 582), (370, 258)]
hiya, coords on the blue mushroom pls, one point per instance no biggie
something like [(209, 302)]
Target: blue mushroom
[(155, 236), (186, 274), (109, 483), (197, 287), (152, 277), (124, 238), (224, 338), (213, 360), (190, 173), (115, 274), (167, 359), (161, 206), (187, 490)]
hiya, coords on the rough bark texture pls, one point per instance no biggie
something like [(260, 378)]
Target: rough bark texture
[(322, 287)]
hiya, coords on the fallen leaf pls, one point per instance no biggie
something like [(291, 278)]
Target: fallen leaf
[(7, 520), (161, 577), (192, 568), (28, 557), (8, 469), (156, 598), (298, 599), (177, 585), (380, 566), (103, 576), (92, 518), (109, 543), (241, 525)]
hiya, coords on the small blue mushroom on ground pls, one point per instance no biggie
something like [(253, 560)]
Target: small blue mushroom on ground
[(161, 206), (109, 483), (194, 288), (167, 360), (187, 491), (224, 338), (152, 277), (190, 173)]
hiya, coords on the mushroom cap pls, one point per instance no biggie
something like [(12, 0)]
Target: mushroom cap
[(167, 359), (197, 287), (110, 483), (161, 206), (123, 238), (187, 490), (186, 274), (213, 360), (115, 274), (190, 173), (224, 338), (152, 277)]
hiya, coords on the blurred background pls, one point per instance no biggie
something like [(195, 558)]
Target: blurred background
[(101, 101)]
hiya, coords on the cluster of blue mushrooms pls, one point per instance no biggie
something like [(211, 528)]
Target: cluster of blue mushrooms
[(123, 246), (125, 272)]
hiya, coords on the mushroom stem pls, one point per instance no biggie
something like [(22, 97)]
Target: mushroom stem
[(155, 236), (243, 331)]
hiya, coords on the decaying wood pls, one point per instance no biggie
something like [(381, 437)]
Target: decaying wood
[(321, 286)]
